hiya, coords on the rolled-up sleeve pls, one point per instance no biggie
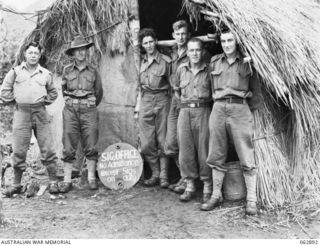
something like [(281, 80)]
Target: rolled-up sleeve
[(98, 88), (52, 92), (255, 87), (6, 92)]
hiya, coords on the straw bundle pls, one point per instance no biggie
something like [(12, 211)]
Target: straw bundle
[(67, 18), (282, 38)]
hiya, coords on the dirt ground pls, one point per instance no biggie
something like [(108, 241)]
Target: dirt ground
[(140, 213)]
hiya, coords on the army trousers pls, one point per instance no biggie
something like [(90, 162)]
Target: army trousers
[(153, 125), (28, 117), (230, 122), (80, 124), (193, 137), (171, 147)]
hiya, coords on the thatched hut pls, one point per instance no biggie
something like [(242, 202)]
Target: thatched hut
[(282, 39)]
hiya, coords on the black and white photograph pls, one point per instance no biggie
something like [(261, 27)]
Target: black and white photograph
[(159, 119)]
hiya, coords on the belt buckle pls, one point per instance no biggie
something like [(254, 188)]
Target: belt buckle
[(229, 100), (192, 105), (75, 100)]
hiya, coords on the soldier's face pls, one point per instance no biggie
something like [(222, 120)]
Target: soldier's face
[(228, 43), (194, 52), (181, 36), (149, 44), (32, 55), (80, 54)]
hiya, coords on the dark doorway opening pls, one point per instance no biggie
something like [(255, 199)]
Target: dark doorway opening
[(160, 14)]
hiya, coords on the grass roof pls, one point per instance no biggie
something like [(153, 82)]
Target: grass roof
[(65, 19)]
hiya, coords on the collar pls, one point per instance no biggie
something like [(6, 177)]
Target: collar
[(145, 64), (203, 66), (155, 58), (38, 68), (238, 56), (175, 55), (74, 65)]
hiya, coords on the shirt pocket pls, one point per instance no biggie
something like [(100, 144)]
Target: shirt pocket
[(204, 91), (72, 81), (88, 82), (216, 79), (156, 79), (243, 80), (41, 81), (184, 87), (20, 79)]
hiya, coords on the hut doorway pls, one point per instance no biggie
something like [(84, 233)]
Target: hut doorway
[(160, 15)]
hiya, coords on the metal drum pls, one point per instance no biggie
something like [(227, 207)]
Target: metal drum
[(234, 187)]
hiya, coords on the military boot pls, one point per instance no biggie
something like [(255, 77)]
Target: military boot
[(92, 180), (153, 163), (250, 178), (16, 187), (217, 180), (207, 190), (164, 166), (66, 185), (190, 191)]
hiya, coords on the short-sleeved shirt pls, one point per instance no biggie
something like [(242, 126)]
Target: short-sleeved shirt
[(193, 87), (236, 79), (27, 87), (82, 83), (155, 76), (177, 60)]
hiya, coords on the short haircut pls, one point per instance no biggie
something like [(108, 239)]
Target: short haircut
[(180, 24), (146, 32), (196, 40), (33, 44)]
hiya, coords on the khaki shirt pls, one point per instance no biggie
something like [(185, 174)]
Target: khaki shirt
[(177, 60), (82, 83), (193, 87), (155, 76), (22, 86), (236, 79)]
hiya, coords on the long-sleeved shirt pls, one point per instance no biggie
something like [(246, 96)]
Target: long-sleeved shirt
[(27, 87), (235, 79), (82, 83), (193, 87), (155, 76)]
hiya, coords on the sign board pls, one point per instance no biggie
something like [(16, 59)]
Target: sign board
[(120, 166)]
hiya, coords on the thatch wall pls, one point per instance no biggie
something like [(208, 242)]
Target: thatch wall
[(282, 38)]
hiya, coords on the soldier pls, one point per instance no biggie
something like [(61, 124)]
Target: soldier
[(235, 92), (193, 88), (181, 34), (82, 92), (154, 107), (31, 87)]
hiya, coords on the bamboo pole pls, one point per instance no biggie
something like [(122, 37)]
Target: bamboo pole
[(204, 38)]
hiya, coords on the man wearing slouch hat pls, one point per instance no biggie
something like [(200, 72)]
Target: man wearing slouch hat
[(82, 92)]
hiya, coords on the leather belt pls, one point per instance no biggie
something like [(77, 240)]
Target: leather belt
[(195, 104), (166, 92), (33, 105), (238, 100)]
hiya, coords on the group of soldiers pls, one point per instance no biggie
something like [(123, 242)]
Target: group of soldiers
[(30, 86), (190, 109)]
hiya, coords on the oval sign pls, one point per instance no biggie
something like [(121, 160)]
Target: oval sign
[(120, 166)]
